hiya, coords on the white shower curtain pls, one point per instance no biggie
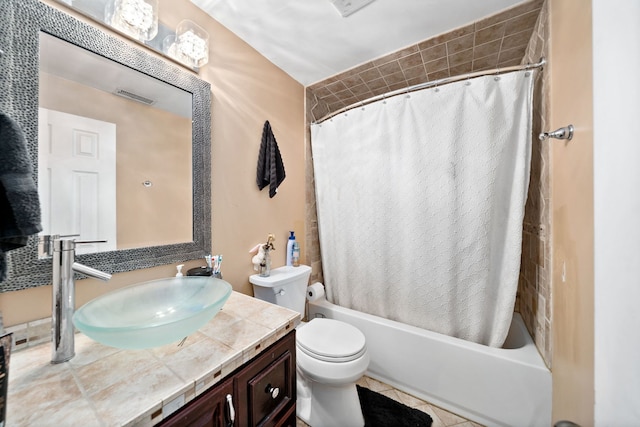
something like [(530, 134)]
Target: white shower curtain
[(420, 205)]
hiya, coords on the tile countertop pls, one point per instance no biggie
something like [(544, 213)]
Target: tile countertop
[(105, 386)]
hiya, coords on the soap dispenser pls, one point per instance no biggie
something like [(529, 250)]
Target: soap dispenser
[(290, 242)]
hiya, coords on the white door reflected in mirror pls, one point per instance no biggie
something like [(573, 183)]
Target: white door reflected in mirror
[(77, 178)]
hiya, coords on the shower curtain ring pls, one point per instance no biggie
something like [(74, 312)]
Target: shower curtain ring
[(527, 69)]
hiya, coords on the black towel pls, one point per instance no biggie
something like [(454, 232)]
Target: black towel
[(270, 167), (19, 203)]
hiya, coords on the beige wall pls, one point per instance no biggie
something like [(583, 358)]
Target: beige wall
[(571, 65), (247, 89)]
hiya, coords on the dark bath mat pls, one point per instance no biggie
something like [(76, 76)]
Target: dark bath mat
[(381, 411)]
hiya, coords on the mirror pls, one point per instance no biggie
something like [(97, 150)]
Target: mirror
[(114, 152), (185, 232)]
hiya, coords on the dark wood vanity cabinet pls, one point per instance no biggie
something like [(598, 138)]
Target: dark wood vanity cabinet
[(208, 410), (265, 389), (263, 392)]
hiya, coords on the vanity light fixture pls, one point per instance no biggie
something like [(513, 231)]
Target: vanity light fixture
[(190, 44), (135, 18)]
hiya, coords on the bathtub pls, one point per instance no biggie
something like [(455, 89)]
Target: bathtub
[(509, 386)]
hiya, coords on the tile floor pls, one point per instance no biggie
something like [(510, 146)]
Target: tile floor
[(441, 418)]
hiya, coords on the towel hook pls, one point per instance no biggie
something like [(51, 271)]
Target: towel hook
[(562, 133)]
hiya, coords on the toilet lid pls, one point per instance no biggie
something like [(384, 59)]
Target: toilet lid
[(330, 340)]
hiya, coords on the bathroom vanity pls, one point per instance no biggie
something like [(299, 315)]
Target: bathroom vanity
[(245, 354), (263, 392)]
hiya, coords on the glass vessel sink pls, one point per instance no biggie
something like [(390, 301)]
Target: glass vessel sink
[(153, 313)]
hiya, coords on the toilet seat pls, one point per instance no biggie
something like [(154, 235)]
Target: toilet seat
[(331, 340)]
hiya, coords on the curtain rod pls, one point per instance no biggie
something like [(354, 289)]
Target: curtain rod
[(433, 83)]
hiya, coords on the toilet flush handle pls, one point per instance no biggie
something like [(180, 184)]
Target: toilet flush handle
[(280, 292)]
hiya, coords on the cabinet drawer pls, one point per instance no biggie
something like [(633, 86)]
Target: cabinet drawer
[(270, 389), (259, 404)]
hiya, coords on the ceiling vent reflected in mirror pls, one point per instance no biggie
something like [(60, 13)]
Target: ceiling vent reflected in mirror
[(133, 96)]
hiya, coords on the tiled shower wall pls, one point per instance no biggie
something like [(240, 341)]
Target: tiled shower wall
[(534, 286), (514, 36)]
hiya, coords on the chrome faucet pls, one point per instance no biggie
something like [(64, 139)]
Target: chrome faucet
[(64, 294)]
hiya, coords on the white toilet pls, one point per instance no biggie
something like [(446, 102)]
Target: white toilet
[(330, 355)]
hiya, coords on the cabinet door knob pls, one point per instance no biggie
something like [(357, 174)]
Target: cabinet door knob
[(273, 391)]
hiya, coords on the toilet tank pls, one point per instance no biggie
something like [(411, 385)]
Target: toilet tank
[(285, 286)]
